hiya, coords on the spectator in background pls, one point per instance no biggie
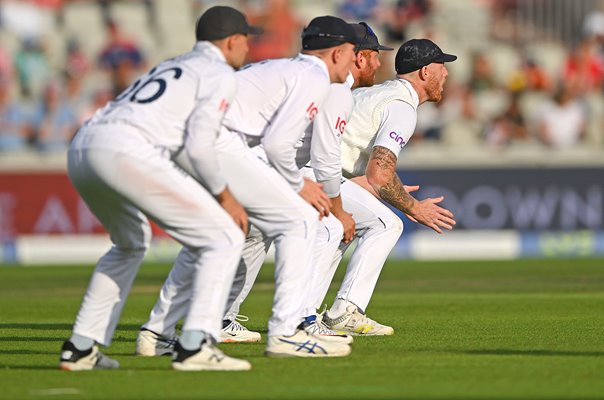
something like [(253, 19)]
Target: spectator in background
[(482, 77), (397, 19), (121, 57), (507, 128), (55, 120), (281, 31), (76, 62), (562, 120), (15, 128), (32, 67), (358, 10), (6, 67), (584, 68), (531, 76)]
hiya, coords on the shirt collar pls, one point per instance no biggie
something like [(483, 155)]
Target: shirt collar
[(412, 91), (350, 80), (210, 48), (317, 61)]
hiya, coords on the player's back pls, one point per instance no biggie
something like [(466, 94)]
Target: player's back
[(263, 88), (160, 102)]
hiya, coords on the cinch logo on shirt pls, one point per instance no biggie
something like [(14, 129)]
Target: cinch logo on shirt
[(398, 139), (312, 110), (340, 125)]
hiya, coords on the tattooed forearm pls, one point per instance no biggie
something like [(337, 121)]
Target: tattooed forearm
[(394, 194), (392, 190)]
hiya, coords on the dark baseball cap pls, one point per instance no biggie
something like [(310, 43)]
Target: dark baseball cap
[(327, 31), (220, 21), (366, 38), (417, 53)]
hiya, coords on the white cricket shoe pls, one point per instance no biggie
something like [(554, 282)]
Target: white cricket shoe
[(318, 328), (352, 322), (237, 333), (73, 359), (303, 344), (207, 358), (151, 344)]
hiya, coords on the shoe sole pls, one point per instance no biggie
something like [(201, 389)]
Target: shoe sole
[(351, 333), (186, 368), (73, 367), (273, 354), (231, 340)]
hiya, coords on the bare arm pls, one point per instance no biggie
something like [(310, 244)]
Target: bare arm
[(382, 177)]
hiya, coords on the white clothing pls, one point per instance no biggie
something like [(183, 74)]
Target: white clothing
[(563, 123), (120, 163), (384, 115), (277, 100), (180, 102)]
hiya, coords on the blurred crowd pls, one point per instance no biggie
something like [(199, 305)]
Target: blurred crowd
[(45, 97)]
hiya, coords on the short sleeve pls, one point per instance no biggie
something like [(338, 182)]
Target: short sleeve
[(397, 126)]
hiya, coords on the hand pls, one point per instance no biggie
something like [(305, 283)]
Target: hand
[(428, 213), (234, 209), (348, 223), (411, 189), (313, 193)]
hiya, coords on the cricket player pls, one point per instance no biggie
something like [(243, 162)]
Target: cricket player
[(319, 156), (277, 100), (382, 123), (120, 163)]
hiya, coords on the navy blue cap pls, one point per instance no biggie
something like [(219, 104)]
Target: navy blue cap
[(367, 39), (220, 22), (417, 53), (327, 31)]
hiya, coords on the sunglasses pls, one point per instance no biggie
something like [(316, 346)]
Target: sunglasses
[(314, 31)]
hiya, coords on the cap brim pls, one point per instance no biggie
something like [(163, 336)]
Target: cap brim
[(385, 48), (446, 58), (254, 30)]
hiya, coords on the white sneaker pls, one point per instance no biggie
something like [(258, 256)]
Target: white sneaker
[(207, 358), (73, 359), (237, 333), (321, 330), (151, 344), (303, 344), (352, 322)]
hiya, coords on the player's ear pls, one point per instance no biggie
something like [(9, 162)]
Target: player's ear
[(424, 72), (360, 60)]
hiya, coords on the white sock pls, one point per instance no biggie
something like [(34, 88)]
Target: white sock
[(191, 340), (81, 342), (338, 308)]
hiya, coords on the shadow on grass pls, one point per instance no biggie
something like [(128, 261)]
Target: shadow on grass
[(60, 326), (546, 353)]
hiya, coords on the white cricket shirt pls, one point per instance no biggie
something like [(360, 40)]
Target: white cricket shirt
[(276, 101), (384, 115), (177, 105)]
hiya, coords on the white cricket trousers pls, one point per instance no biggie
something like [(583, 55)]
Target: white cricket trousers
[(329, 236), (280, 214), (377, 229), (123, 179)]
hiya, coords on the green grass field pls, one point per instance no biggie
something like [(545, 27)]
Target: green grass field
[(529, 329)]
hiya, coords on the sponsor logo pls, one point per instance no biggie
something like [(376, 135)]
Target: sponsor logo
[(312, 110), (223, 105), (340, 125), (398, 139)]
